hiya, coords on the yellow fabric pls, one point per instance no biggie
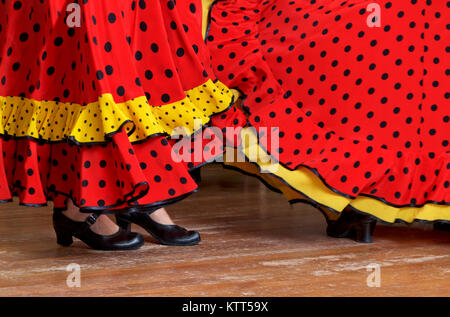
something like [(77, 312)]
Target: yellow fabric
[(206, 4), (428, 212), (279, 183), (56, 121), (302, 182)]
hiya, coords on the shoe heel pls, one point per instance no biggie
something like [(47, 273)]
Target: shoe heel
[(372, 227), (364, 233), (63, 237), (123, 223)]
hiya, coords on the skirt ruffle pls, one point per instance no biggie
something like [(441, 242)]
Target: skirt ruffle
[(54, 121), (315, 184), (93, 112), (99, 177)]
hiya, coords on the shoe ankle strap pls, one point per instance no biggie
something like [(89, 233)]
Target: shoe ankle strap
[(90, 220)]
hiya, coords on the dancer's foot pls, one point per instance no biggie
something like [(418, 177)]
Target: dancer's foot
[(353, 225), (106, 235), (160, 226), (161, 216), (443, 226)]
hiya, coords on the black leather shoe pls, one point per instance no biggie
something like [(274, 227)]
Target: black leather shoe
[(67, 228), (164, 234), (444, 226), (196, 175), (352, 225)]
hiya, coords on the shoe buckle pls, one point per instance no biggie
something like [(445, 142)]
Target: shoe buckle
[(91, 219)]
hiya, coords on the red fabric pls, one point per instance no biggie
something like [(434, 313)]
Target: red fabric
[(366, 108), (102, 177), (126, 48)]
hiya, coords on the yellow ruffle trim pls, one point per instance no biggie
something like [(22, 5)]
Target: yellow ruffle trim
[(56, 121), (304, 184)]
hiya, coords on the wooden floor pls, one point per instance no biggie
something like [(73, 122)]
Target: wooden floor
[(254, 244)]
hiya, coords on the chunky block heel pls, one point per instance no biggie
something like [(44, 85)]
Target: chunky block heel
[(352, 225), (443, 226), (123, 223), (364, 233), (63, 238)]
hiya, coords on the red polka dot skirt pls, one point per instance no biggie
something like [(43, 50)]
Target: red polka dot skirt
[(91, 94), (359, 91)]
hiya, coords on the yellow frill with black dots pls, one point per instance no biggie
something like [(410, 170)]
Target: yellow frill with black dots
[(303, 184), (56, 121)]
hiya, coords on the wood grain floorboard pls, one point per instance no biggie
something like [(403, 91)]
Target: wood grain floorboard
[(253, 244)]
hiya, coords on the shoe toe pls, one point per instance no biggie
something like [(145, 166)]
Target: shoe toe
[(191, 237), (138, 239), (183, 237)]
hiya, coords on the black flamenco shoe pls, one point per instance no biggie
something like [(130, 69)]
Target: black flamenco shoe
[(67, 228), (443, 226), (352, 225), (196, 175), (164, 234)]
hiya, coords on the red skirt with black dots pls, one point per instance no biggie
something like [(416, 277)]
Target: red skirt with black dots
[(91, 94), (359, 91)]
